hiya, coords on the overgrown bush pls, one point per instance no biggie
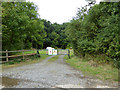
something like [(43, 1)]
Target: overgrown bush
[(96, 31)]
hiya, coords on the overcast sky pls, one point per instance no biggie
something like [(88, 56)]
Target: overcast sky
[(59, 11)]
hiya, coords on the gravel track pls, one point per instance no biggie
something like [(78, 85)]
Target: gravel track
[(55, 74)]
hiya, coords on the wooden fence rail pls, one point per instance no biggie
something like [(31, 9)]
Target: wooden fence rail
[(13, 56), (16, 51), (34, 52)]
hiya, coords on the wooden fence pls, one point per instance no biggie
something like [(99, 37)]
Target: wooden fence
[(13, 56), (33, 52)]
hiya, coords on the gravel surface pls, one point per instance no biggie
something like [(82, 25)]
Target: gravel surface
[(56, 74)]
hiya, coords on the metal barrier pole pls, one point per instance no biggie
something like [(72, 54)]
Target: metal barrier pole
[(69, 53), (57, 52)]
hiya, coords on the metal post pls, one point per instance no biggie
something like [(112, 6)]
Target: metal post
[(6, 55), (57, 52), (69, 53)]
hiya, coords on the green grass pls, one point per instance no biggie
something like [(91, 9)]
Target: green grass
[(93, 69), (71, 53), (30, 52), (53, 58), (28, 60), (42, 51), (21, 53)]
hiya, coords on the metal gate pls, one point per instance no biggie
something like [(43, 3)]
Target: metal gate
[(59, 52), (62, 51)]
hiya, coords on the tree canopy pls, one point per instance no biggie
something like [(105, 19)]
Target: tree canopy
[(21, 26), (96, 31), (56, 36)]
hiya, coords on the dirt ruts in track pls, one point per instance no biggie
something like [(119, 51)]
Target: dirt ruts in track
[(56, 74)]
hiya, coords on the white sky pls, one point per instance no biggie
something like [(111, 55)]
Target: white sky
[(59, 11)]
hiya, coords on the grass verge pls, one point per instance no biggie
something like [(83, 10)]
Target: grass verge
[(90, 68), (53, 58), (26, 61), (29, 52)]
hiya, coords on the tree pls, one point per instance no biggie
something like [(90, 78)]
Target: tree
[(56, 36), (20, 25), (97, 31)]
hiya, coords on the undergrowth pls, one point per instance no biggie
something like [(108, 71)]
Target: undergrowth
[(94, 66)]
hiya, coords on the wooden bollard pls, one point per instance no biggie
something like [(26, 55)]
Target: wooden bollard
[(23, 54), (7, 55)]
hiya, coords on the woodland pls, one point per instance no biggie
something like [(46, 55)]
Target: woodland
[(93, 31)]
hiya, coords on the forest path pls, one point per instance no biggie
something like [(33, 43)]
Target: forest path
[(46, 74)]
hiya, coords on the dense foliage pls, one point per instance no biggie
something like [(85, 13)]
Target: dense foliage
[(56, 36), (21, 26), (96, 31)]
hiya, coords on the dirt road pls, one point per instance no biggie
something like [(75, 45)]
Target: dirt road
[(46, 74)]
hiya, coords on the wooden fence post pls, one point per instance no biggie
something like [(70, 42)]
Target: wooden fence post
[(23, 54), (7, 55), (38, 54)]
